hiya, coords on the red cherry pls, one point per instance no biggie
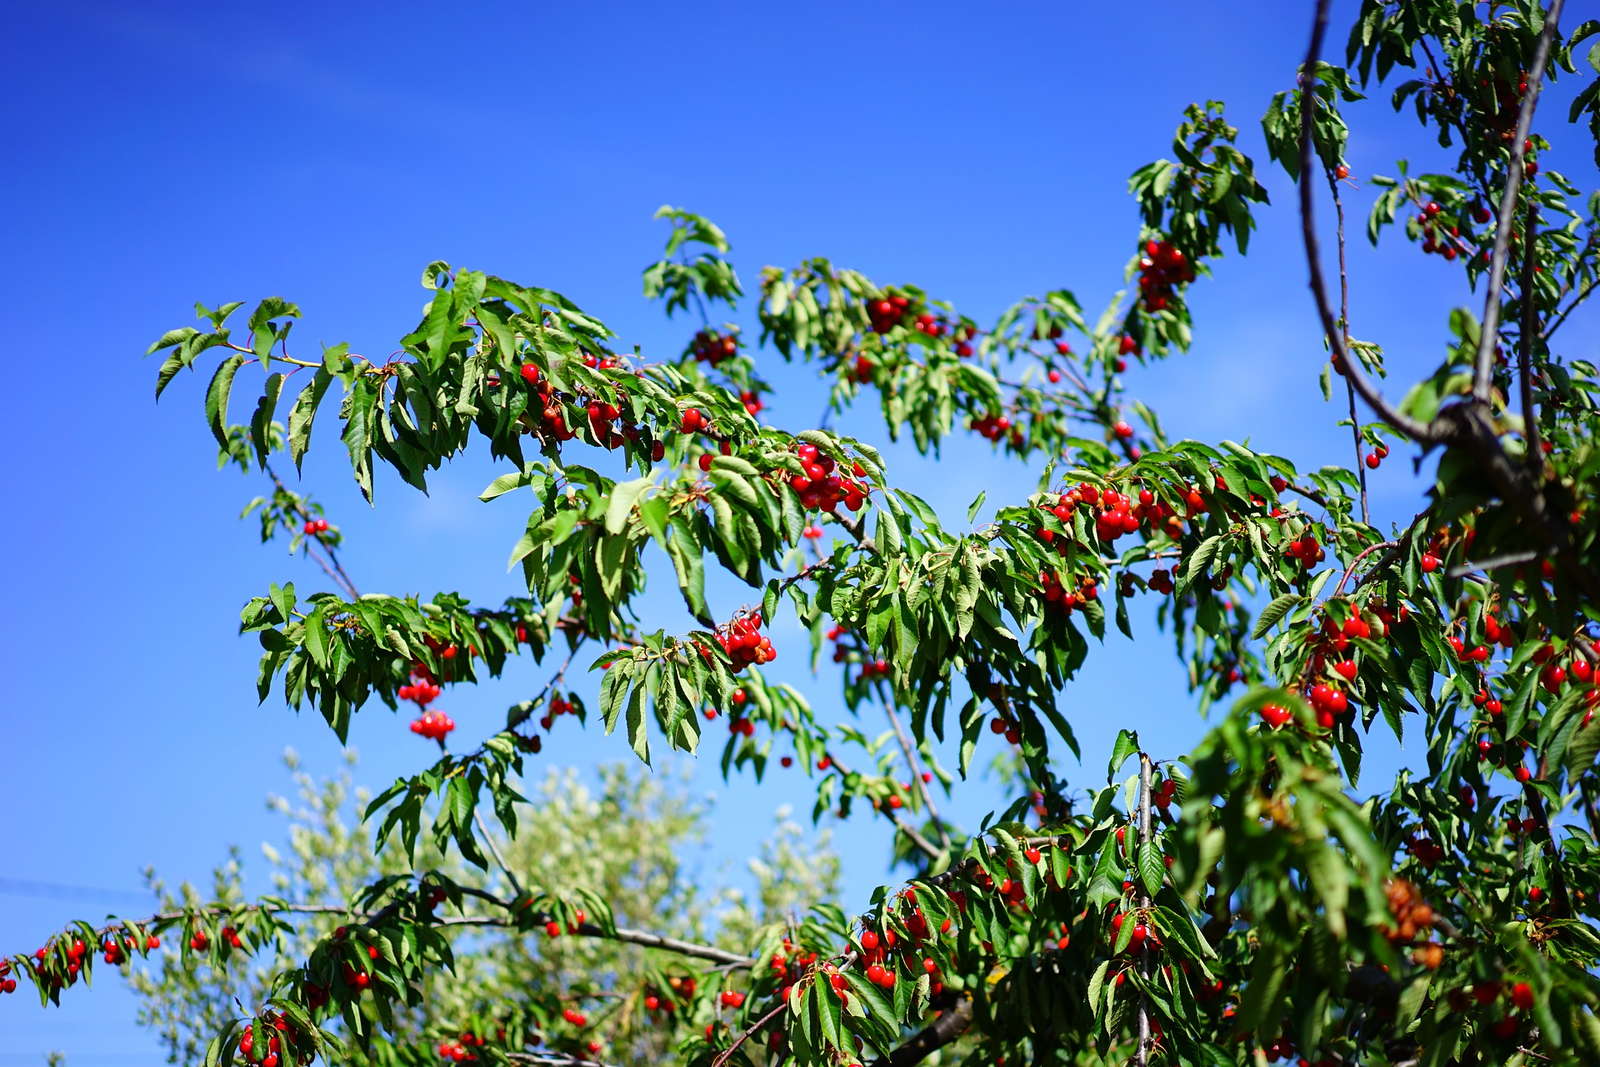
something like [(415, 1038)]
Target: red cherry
[(530, 373), (1429, 563), (552, 929), (1341, 172), (1522, 996), (1275, 715)]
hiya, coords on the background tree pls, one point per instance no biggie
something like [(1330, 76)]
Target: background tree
[(627, 839), (1248, 901)]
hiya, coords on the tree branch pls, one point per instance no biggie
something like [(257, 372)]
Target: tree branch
[(642, 938), (1354, 375), (552, 1059), (936, 1035), (1489, 331), (1525, 339), (727, 1053), (1142, 1056)]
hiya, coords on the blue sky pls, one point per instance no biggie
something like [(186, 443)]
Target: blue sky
[(164, 153)]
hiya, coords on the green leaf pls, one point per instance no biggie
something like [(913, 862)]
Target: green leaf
[(1152, 869), (1275, 610), (638, 738), (503, 485), (684, 550), (217, 398), (304, 414), (623, 497), (1127, 744), (261, 421)]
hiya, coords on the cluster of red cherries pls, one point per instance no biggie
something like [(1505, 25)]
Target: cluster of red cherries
[(742, 640), (870, 668), (891, 310), (1066, 599), (994, 427), (1160, 269), (553, 418), (247, 1041), (315, 526), (433, 725), (681, 989), (712, 347), (424, 690), (460, 1051), (821, 486), (887, 312)]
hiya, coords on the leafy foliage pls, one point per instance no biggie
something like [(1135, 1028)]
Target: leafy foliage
[(1245, 902)]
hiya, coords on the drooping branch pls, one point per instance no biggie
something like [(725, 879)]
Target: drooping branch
[(1489, 332), (642, 938), (914, 766), (331, 566)]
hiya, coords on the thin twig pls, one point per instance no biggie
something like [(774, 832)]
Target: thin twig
[(1410, 427), (1505, 560), (1583, 294), (723, 1056), (494, 850), (915, 765), (337, 573), (1363, 554), (1344, 326), (928, 848), (1489, 332)]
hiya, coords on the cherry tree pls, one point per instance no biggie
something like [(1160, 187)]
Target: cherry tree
[(1252, 901)]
